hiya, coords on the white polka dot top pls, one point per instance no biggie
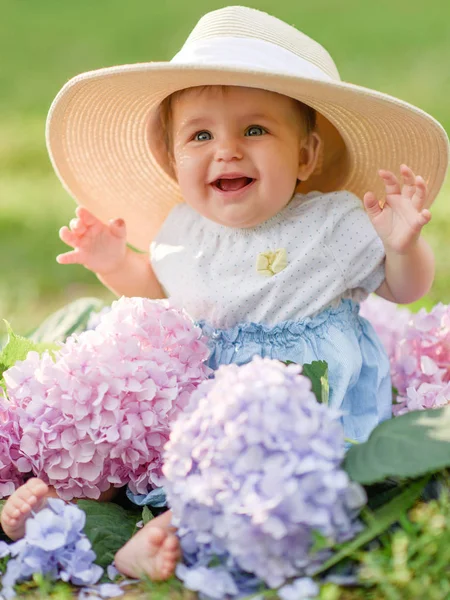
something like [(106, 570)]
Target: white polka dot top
[(319, 249)]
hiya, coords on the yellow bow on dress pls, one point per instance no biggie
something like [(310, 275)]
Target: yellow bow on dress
[(271, 262)]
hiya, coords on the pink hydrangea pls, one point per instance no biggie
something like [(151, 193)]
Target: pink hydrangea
[(427, 395), (99, 413), (12, 465), (389, 321), (418, 346), (421, 372), (424, 352)]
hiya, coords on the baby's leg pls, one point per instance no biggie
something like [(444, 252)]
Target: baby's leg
[(27, 498), (153, 551)]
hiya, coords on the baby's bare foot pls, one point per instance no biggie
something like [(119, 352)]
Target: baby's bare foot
[(153, 551), (28, 497)]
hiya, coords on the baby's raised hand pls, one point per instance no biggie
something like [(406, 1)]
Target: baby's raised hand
[(399, 218), (98, 246)]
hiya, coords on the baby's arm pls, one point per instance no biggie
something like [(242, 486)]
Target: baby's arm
[(102, 248), (134, 277), (398, 221)]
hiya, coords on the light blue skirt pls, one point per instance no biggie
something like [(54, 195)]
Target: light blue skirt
[(358, 367)]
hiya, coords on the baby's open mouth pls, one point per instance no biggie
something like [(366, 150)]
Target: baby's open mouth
[(232, 185)]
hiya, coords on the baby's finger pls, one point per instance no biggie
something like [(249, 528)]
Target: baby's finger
[(419, 198), (117, 227), (424, 217), (390, 181), (77, 226), (74, 257), (372, 205), (68, 237), (85, 216), (409, 181)]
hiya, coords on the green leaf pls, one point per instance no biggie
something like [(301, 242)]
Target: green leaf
[(72, 318), (146, 515), (3, 536), (319, 542), (17, 348), (382, 493), (378, 522), (317, 372), (403, 447), (108, 527)]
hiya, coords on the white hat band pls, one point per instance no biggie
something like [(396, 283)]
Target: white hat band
[(247, 53)]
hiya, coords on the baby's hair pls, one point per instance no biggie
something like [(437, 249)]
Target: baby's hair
[(165, 116)]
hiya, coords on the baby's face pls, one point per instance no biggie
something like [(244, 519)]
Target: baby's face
[(237, 152)]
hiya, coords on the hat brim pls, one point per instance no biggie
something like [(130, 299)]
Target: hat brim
[(98, 137)]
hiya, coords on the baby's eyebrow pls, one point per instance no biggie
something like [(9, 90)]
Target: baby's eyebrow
[(258, 117), (194, 122)]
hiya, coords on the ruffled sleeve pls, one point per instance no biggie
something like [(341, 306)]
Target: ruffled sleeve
[(355, 245)]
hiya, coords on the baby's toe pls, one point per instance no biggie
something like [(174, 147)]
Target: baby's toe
[(37, 487), (21, 494), (10, 519), (171, 543), (18, 506), (156, 539), (171, 552), (168, 568), (167, 571), (156, 535)]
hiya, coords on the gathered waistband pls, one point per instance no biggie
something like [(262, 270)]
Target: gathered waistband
[(344, 316)]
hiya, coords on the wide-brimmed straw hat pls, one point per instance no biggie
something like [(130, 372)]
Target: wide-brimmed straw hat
[(104, 137)]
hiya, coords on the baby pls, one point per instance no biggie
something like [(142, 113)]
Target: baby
[(260, 152)]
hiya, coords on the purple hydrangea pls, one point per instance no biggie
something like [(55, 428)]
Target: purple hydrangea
[(253, 470), (303, 588), (54, 545), (103, 590), (98, 413)]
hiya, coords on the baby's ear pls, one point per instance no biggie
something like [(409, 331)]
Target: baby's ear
[(309, 155)]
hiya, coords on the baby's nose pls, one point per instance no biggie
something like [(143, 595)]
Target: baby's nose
[(228, 149)]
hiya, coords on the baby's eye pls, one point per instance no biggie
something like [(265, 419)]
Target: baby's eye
[(202, 136), (255, 130)]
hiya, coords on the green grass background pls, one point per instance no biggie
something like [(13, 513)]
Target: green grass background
[(401, 47)]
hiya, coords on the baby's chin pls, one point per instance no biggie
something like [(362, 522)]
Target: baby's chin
[(239, 216), (237, 221)]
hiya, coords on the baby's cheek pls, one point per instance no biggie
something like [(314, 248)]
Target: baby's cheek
[(284, 170), (192, 183), (188, 167)]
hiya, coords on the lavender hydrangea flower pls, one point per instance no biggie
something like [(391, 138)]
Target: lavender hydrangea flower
[(303, 588), (54, 544), (253, 469), (218, 582), (99, 413), (103, 590)]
